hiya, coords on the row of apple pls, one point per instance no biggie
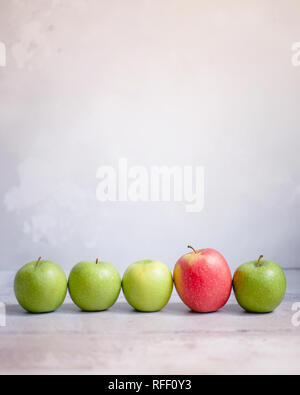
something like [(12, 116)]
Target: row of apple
[(202, 278)]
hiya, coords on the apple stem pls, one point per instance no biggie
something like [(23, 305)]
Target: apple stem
[(193, 249), (38, 261), (97, 260), (259, 259)]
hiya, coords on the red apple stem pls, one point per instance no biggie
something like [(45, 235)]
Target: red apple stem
[(259, 259), (38, 261), (192, 248)]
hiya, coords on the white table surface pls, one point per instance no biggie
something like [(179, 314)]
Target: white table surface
[(174, 341)]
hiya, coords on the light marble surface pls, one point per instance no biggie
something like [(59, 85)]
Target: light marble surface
[(174, 341)]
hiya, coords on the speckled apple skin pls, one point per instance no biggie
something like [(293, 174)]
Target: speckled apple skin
[(41, 288), (94, 287), (148, 285), (203, 280), (259, 289)]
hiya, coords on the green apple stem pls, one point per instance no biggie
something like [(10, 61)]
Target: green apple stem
[(38, 261), (192, 248), (97, 261), (259, 261)]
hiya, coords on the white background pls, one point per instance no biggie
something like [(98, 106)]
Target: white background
[(171, 82)]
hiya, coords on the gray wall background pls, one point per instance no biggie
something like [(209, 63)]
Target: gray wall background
[(171, 82)]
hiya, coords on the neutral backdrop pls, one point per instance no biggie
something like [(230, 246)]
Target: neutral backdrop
[(159, 82)]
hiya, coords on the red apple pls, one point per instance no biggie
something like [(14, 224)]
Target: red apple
[(203, 280)]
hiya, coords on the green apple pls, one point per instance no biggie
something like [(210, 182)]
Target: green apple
[(41, 286), (94, 286), (148, 285), (259, 286)]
